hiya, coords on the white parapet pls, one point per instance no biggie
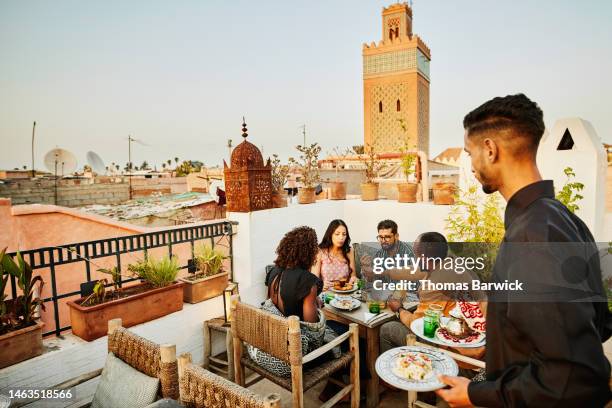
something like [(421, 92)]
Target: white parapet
[(586, 157)]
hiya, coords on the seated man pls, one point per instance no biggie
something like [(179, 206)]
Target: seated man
[(429, 246), (391, 246)]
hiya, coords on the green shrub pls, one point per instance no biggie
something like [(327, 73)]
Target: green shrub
[(209, 260), (158, 273)]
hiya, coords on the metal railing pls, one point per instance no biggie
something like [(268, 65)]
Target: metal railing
[(51, 257)]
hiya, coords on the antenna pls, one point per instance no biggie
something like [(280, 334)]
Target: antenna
[(33, 131), (303, 127), (130, 140), (96, 163), (60, 160)]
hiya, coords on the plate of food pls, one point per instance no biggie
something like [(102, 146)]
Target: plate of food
[(446, 337), (343, 286), (415, 368), (455, 331), (346, 303)]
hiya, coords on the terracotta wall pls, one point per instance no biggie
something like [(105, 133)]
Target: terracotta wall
[(35, 226)]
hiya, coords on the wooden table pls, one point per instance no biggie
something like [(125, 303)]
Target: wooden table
[(368, 331)]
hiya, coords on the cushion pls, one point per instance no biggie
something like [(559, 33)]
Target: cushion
[(123, 386)]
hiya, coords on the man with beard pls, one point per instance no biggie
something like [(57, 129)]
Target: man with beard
[(540, 354), (390, 247)]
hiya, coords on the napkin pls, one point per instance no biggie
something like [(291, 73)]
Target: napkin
[(371, 317), (473, 315)]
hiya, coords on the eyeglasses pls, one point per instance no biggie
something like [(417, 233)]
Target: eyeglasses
[(384, 237)]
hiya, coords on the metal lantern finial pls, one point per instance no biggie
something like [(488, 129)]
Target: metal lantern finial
[(244, 128)]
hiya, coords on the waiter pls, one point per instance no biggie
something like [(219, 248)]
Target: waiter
[(547, 353)]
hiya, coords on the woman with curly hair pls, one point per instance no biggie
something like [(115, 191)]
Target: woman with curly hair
[(335, 259), (291, 287), (292, 291)]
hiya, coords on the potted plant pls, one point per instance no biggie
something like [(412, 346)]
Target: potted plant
[(280, 174), (407, 191), (20, 330), (309, 169), (444, 193), (210, 280), (369, 189), (157, 295), (337, 190)]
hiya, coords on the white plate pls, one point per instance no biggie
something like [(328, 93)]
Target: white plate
[(331, 288), (355, 304), (417, 328), (442, 363)]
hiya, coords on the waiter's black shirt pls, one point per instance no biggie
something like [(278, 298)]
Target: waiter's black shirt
[(547, 353)]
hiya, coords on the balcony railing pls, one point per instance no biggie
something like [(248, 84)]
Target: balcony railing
[(51, 257)]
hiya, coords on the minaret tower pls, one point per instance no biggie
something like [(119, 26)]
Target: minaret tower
[(396, 85)]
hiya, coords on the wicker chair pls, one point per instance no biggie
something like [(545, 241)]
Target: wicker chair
[(281, 338), (145, 356), (200, 388)]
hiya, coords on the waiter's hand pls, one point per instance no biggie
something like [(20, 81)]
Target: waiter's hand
[(457, 395)]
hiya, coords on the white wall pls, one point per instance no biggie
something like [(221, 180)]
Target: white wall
[(588, 160)]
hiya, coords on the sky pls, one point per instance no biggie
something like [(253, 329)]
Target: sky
[(179, 75)]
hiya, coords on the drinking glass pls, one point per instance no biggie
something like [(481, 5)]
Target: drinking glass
[(431, 321)]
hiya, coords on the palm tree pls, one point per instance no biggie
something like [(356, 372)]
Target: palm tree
[(144, 165), (164, 166), (117, 167), (176, 160), (169, 162), (25, 167)]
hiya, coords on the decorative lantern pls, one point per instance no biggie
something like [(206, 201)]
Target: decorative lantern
[(248, 182), (230, 290)]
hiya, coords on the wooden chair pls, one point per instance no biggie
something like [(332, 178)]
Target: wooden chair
[(413, 401), (145, 356), (200, 388), (280, 337)]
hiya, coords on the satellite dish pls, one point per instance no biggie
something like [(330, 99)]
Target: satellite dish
[(96, 163), (60, 162)]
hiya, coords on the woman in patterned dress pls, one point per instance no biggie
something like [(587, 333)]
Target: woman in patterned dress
[(335, 259)]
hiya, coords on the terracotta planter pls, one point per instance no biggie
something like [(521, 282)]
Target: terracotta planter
[(20, 345), (91, 322), (306, 195), (337, 190), (196, 291), (369, 191), (407, 192), (279, 199), (444, 193)]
